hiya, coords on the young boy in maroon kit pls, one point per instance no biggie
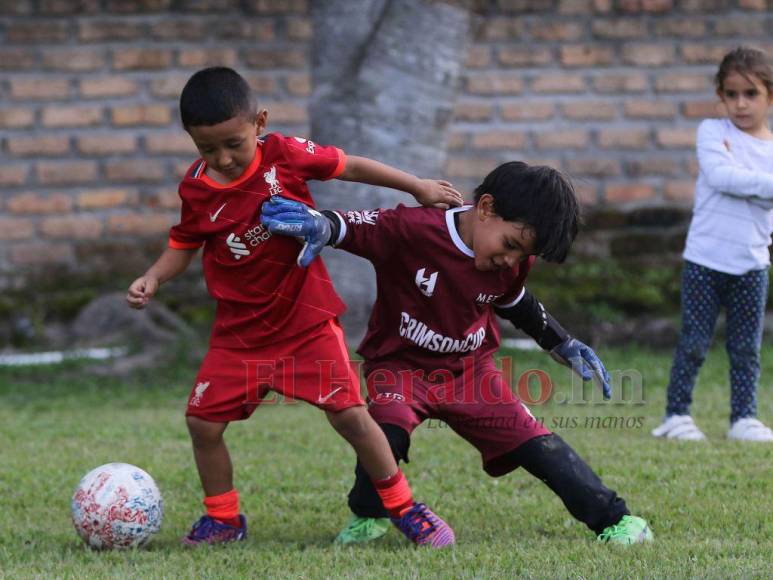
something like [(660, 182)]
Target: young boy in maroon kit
[(432, 335), (270, 313)]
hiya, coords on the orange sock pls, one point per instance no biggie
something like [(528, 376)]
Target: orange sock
[(395, 493), (224, 507)]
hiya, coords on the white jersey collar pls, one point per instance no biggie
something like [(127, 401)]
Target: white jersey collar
[(451, 224)]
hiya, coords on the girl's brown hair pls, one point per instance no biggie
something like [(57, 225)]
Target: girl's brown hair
[(746, 61)]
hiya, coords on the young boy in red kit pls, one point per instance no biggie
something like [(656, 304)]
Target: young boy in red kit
[(442, 275), (275, 322)]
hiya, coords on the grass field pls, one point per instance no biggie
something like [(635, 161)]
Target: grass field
[(708, 503)]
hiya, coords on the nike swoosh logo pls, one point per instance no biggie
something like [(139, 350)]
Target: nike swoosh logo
[(326, 398), (213, 216)]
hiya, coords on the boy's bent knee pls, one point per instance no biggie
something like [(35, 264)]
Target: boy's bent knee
[(205, 432)]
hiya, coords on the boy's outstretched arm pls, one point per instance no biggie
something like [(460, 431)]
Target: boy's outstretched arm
[(428, 192), (171, 263), (530, 316)]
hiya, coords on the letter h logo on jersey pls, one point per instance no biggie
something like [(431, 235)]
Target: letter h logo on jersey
[(426, 284)]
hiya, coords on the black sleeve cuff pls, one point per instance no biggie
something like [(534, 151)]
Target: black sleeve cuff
[(530, 316)]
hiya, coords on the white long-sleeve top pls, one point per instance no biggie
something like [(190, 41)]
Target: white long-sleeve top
[(732, 218)]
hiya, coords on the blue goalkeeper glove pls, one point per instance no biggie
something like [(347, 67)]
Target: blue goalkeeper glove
[(583, 361), (292, 218)]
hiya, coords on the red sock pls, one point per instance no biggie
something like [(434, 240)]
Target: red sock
[(395, 493), (224, 507)]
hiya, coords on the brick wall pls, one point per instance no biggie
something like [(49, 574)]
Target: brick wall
[(610, 91)]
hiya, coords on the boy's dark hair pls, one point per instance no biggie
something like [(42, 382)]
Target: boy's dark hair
[(746, 61), (215, 94), (540, 197)]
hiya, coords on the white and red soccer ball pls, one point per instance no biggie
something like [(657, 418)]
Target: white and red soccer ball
[(117, 505)]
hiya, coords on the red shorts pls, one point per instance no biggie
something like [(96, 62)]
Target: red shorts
[(479, 406), (312, 367)]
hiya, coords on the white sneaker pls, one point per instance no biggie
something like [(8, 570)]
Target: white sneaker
[(679, 427), (750, 429)]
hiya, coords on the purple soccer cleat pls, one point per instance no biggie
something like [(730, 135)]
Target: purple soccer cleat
[(208, 530), (424, 528)]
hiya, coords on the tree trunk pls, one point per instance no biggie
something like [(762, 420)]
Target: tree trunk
[(385, 76)]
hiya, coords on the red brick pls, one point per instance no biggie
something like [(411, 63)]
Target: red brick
[(621, 83), (561, 139), (16, 228), (15, 174), (140, 224), (527, 111), (163, 198), (18, 8), (654, 6), (704, 53), (547, 161), (74, 60), (582, 110), (676, 138), (170, 86), (168, 143), (111, 86), (35, 203), (649, 165), (104, 198), (510, 56), (624, 138), (628, 192), (650, 109), (37, 31), (587, 192), (457, 140), (494, 83), (72, 116), (245, 29), (472, 111), (523, 5), (499, 140), (603, 6), (286, 112), (680, 28), (619, 28), (679, 191), (478, 56), (586, 55), (760, 5), (179, 29), (299, 29), (137, 6), (593, 166), (16, 118), (110, 30), (203, 57), (72, 227), (138, 170), (703, 5), (132, 115), (274, 7), (66, 172), (692, 167), (263, 84), (17, 58), (648, 54), (263, 58), (142, 59), (682, 83), (38, 254), (62, 7), (556, 31), (501, 28), (703, 109), (298, 85), (466, 166), (558, 83), (106, 144), (40, 88), (46, 144), (741, 26)]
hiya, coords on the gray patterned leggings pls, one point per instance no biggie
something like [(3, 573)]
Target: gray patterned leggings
[(704, 291)]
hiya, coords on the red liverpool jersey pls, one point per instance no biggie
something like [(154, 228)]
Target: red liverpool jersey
[(433, 307), (262, 295)]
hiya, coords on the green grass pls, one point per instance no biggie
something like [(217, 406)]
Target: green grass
[(709, 504)]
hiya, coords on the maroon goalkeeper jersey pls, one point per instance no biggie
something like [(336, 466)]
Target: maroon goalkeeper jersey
[(262, 295), (433, 307)]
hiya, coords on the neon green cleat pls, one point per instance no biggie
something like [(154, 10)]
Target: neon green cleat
[(360, 530), (629, 530)]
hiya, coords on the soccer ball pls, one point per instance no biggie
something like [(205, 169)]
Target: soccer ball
[(117, 505)]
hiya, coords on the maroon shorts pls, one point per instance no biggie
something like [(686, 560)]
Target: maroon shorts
[(478, 405), (312, 367)]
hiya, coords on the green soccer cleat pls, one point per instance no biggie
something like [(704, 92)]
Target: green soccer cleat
[(629, 530), (360, 530)]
